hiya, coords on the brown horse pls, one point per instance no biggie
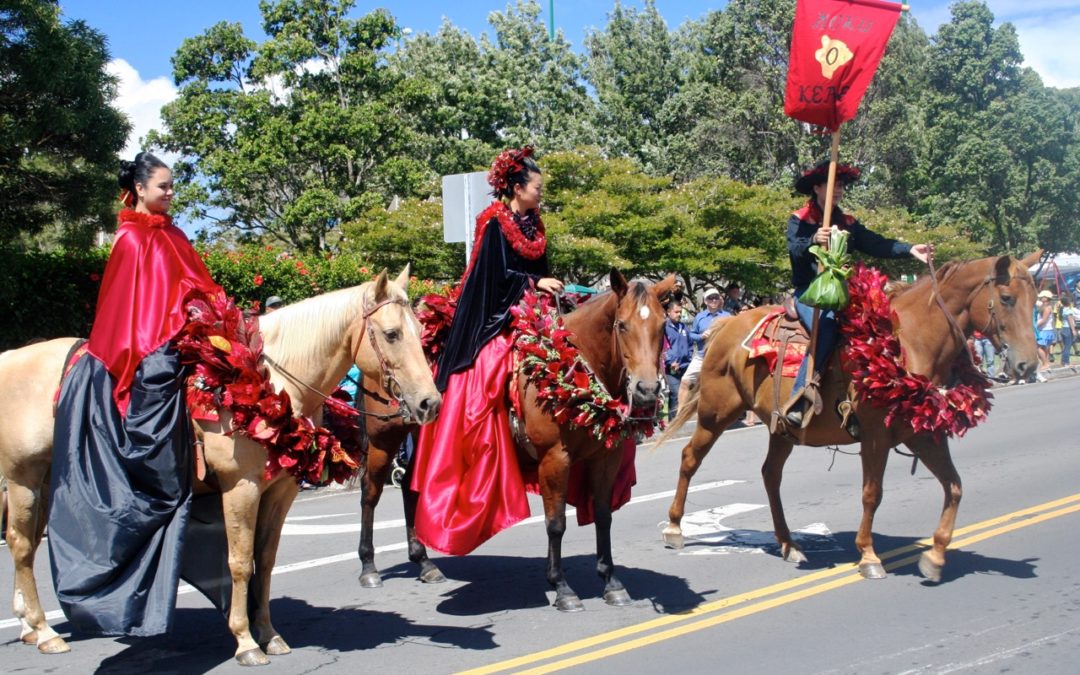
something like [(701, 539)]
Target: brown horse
[(311, 344), (386, 431), (992, 295), (620, 335)]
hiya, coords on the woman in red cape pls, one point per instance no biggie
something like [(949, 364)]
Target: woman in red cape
[(122, 459), (466, 468)]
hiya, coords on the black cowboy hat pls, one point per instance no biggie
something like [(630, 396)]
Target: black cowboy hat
[(845, 173)]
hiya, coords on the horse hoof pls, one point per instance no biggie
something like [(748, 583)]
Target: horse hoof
[(793, 554), (569, 603), (432, 576), (55, 645), (30, 638), (253, 657), (371, 580), (277, 647), (929, 569), (619, 598), (872, 570), (673, 538)]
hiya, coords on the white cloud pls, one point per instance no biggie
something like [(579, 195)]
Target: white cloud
[(1049, 46), (141, 101)]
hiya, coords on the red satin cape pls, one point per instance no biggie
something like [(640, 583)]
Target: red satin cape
[(140, 307), (466, 467)]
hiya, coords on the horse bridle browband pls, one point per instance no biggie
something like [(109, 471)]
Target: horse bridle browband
[(389, 382)]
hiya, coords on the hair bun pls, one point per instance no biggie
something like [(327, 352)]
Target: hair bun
[(126, 176)]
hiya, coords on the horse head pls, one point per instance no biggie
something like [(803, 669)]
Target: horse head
[(1002, 312), (392, 335), (638, 335)]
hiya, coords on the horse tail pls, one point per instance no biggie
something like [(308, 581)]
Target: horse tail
[(687, 410)]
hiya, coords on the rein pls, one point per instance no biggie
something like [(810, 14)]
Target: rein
[(389, 382)]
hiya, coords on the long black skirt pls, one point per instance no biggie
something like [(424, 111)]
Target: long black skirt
[(121, 497)]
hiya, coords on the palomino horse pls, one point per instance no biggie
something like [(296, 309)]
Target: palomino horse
[(620, 334), (311, 345), (993, 295)]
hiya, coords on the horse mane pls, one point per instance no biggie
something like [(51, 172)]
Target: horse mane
[(894, 289), (637, 288), (303, 334)]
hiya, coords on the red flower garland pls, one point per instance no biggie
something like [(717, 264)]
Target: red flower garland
[(224, 348), (873, 356), (505, 165), (565, 385)]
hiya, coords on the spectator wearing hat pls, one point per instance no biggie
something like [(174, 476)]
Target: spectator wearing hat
[(733, 299), (701, 323), (1044, 331), (272, 303), (806, 228)]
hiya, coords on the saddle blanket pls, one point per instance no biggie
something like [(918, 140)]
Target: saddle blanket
[(764, 342)]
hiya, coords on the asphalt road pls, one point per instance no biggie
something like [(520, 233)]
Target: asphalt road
[(1009, 600)]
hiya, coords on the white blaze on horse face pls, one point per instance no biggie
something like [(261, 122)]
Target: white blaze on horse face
[(644, 312)]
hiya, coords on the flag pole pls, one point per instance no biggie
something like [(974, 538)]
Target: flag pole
[(834, 158)]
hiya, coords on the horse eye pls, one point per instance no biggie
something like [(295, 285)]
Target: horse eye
[(391, 335), (1007, 300), (621, 325)]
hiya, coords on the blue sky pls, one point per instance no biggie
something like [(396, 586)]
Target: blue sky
[(143, 36)]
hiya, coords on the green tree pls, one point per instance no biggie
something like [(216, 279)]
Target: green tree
[(293, 136), (410, 234), (59, 137), (632, 66)]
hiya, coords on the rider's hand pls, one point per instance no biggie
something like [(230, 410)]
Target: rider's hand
[(821, 237), (922, 252), (550, 286)]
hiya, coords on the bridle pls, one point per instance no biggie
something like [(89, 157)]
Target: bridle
[(991, 308), (389, 381)]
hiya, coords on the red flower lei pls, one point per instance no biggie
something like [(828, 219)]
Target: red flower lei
[(224, 348), (152, 220), (530, 249), (873, 356), (565, 385)]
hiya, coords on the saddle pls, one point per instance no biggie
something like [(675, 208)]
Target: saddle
[(783, 342)]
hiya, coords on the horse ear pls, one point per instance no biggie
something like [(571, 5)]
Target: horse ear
[(1031, 258), (618, 282), (382, 290), (403, 279), (1003, 270), (662, 288)]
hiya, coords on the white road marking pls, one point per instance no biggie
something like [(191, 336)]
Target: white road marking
[(712, 537)]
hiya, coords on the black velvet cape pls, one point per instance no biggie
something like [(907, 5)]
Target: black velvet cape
[(496, 283)]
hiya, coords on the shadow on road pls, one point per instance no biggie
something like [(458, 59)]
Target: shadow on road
[(201, 640), (498, 583)]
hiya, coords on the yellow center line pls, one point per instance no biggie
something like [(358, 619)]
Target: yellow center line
[(711, 607)]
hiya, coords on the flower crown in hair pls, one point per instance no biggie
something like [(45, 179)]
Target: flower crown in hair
[(506, 165)]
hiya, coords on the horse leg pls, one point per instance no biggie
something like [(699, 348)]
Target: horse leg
[(429, 571), (938, 460), (26, 521), (875, 455), (554, 474), (772, 472), (709, 428), (602, 473), (378, 466), (273, 507), (240, 503)]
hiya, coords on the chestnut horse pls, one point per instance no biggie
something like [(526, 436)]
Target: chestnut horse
[(992, 295), (311, 345), (620, 335)]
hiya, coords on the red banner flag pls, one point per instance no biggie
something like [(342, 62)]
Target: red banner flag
[(835, 49)]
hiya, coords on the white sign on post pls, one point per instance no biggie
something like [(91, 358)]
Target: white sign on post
[(464, 197)]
